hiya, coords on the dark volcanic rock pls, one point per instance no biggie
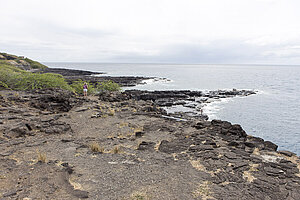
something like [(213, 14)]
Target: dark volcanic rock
[(161, 97), (113, 96), (68, 72), (53, 100), (72, 75), (55, 127), (146, 146), (194, 158), (174, 146), (226, 128), (270, 146), (19, 130)]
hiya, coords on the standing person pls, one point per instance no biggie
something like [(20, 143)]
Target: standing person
[(85, 88)]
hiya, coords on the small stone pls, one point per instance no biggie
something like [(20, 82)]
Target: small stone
[(139, 134), (270, 146), (233, 143), (287, 153)]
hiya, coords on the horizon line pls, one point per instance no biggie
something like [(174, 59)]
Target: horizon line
[(165, 63)]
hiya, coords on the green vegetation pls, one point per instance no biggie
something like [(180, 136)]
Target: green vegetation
[(138, 195), (35, 64), (77, 87), (3, 85), (20, 60), (101, 87), (108, 86), (42, 81), (12, 77)]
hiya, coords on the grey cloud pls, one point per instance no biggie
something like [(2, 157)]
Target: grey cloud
[(218, 52)]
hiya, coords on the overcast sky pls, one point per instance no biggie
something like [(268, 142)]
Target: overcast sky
[(155, 31)]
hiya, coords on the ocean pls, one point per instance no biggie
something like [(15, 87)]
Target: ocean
[(272, 114)]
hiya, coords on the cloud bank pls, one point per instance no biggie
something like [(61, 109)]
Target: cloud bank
[(145, 31)]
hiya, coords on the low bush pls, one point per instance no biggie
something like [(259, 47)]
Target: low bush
[(12, 77), (3, 85), (41, 81), (77, 87), (108, 86), (35, 64)]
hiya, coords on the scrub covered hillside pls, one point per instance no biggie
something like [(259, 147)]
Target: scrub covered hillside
[(20, 61), (19, 73), (13, 75)]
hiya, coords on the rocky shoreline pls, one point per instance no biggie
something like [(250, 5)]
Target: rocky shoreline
[(143, 152), (93, 77)]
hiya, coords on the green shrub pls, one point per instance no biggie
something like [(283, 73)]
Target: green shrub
[(9, 76), (35, 64), (77, 87), (5, 65), (3, 85), (29, 80), (108, 86), (15, 78)]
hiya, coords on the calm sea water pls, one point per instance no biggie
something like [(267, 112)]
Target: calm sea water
[(273, 114)]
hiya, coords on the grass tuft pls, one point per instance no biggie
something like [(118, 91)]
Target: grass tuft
[(139, 196), (41, 157), (116, 150), (95, 147)]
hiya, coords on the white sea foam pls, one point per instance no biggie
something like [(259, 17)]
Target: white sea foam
[(211, 109), (157, 81)]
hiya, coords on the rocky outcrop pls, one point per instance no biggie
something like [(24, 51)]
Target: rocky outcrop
[(21, 62), (68, 72), (182, 97), (192, 101), (47, 152), (72, 75), (28, 113)]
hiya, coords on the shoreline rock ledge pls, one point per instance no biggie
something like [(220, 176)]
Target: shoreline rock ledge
[(54, 145)]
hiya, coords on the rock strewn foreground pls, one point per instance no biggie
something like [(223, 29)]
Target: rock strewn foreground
[(142, 155)]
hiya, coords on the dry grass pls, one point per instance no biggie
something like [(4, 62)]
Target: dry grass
[(248, 176), (41, 157), (123, 124), (253, 167), (111, 112), (121, 136), (256, 151), (139, 196), (203, 191), (197, 165), (116, 150), (129, 134), (76, 186), (95, 147), (156, 147)]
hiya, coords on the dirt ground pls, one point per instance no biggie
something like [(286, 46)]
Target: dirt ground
[(66, 147)]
